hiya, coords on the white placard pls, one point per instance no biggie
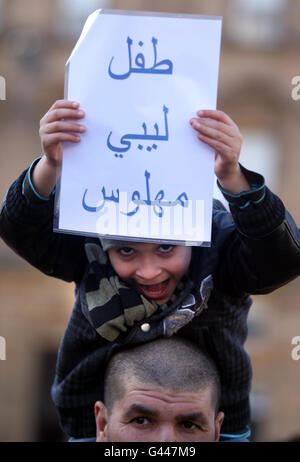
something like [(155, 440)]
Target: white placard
[(140, 171)]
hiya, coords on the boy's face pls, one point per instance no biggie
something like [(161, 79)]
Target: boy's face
[(153, 269)]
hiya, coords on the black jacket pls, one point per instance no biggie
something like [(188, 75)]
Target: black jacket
[(254, 250)]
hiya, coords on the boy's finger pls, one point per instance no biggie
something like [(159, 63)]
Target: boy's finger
[(215, 135), (61, 126), (52, 139), (216, 145), (198, 124), (58, 114), (61, 103), (217, 115)]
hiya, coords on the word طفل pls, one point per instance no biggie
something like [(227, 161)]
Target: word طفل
[(140, 63)]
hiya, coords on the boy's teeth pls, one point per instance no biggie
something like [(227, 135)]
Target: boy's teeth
[(155, 287)]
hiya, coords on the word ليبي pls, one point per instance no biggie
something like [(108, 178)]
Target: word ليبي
[(131, 136)]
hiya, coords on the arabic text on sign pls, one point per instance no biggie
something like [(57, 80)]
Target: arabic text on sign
[(162, 67), (157, 203), (131, 136)]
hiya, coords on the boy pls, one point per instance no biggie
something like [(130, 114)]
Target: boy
[(133, 293)]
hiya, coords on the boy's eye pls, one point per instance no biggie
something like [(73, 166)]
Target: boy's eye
[(166, 248), (125, 251)]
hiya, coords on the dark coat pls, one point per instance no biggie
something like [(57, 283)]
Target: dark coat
[(255, 249)]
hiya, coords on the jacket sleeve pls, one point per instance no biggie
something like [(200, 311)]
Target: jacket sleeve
[(260, 248), (26, 225)]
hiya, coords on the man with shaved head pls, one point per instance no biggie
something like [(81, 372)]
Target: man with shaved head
[(165, 390)]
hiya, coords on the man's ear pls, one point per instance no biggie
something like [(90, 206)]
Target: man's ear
[(101, 422), (218, 423)]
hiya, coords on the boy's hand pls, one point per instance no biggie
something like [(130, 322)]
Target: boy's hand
[(218, 130), (54, 129)]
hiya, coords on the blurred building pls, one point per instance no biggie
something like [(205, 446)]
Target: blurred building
[(260, 56)]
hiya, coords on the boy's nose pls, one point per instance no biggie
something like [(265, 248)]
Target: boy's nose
[(148, 271)]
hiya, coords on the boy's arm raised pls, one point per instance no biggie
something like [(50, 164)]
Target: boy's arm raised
[(27, 227), (26, 220), (219, 131), (54, 129), (260, 250), (260, 244)]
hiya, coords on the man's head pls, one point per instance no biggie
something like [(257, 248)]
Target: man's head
[(153, 269), (165, 390)]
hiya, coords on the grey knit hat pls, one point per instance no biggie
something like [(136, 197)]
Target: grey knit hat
[(111, 243)]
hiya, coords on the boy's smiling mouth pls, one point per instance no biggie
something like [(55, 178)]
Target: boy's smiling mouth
[(154, 290)]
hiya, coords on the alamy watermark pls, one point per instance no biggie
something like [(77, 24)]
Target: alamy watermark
[(2, 349), (295, 353), (295, 94), (157, 219), (2, 88)]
